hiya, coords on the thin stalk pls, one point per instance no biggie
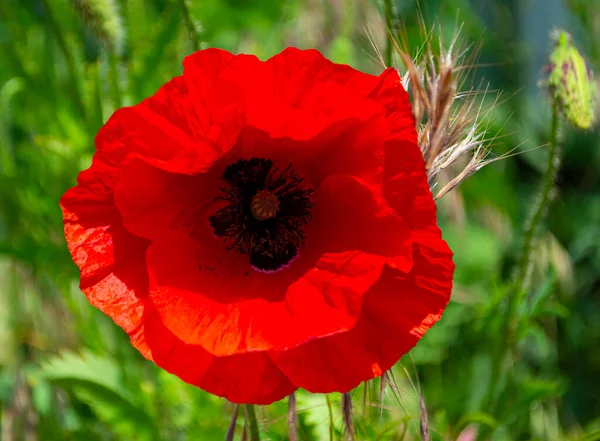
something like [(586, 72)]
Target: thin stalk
[(347, 416), (539, 210), (291, 417), (251, 422), (56, 30), (389, 24), (231, 430), (330, 412), (189, 24), (525, 264)]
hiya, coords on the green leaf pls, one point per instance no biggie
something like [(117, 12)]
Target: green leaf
[(477, 417), (96, 381)]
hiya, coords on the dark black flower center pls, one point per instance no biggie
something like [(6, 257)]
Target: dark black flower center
[(266, 213)]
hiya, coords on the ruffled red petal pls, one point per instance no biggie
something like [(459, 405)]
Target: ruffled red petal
[(353, 215), (296, 94), (212, 299), (396, 313), (111, 260), (243, 378), (154, 201), (399, 309)]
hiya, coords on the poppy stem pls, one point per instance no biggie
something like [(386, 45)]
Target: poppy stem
[(251, 422), (231, 430), (330, 412), (291, 417), (525, 264), (347, 414), (538, 212)]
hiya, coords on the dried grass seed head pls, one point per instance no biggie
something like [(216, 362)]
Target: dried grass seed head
[(449, 111)]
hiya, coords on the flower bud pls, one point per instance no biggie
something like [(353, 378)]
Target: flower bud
[(571, 82)]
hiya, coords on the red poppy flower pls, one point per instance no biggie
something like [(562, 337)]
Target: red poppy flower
[(256, 227)]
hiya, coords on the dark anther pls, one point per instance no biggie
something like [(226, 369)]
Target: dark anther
[(266, 213)]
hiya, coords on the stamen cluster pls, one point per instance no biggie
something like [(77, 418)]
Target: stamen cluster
[(266, 213)]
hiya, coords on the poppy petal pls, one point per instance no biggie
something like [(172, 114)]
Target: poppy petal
[(396, 313), (198, 298), (242, 378), (111, 260), (154, 201), (354, 215)]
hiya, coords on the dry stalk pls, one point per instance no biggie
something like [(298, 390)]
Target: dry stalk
[(347, 416), (449, 111), (231, 430), (291, 417)]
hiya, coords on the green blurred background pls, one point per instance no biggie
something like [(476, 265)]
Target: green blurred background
[(68, 373)]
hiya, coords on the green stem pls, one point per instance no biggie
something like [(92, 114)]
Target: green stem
[(331, 423), (252, 422), (525, 264), (187, 18), (539, 210), (389, 24)]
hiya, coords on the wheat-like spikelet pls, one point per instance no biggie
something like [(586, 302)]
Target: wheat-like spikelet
[(449, 112), (103, 19)]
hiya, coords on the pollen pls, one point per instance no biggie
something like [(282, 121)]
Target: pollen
[(265, 205)]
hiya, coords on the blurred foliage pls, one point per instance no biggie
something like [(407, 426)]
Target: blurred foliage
[(68, 373)]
